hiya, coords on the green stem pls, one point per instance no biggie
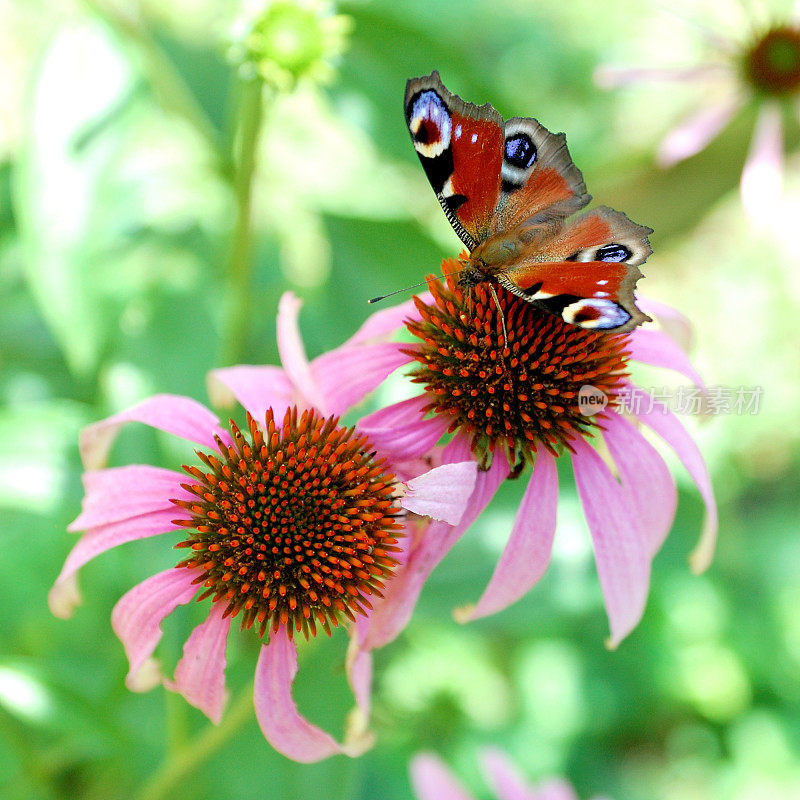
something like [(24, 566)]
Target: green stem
[(237, 312), (187, 758)]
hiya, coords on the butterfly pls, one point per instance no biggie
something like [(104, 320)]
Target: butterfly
[(509, 189)]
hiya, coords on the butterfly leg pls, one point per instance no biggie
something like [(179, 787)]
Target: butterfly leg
[(502, 316)]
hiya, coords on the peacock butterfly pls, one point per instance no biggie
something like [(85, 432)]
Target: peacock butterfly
[(508, 189)]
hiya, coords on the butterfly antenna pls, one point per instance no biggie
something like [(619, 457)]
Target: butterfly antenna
[(502, 315), (414, 286)]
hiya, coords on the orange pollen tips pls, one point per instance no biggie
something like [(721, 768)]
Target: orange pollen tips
[(772, 64), (295, 524), (519, 393)]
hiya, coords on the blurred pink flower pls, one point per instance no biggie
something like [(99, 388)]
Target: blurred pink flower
[(762, 66), (290, 525), (432, 780), (509, 406)]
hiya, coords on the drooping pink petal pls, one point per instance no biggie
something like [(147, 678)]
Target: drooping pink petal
[(432, 780), (645, 477), (660, 350), (62, 596), (391, 614), (527, 553), (669, 428), (670, 320), (620, 550), (171, 413), (507, 783), (692, 134), (281, 723), (610, 77), (762, 176), (255, 388), (346, 375), (359, 666), (441, 493), (137, 616), (401, 430), (384, 322), (200, 674), (120, 493), (293, 353)]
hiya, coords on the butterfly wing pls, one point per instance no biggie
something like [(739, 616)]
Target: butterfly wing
[(587, 272)]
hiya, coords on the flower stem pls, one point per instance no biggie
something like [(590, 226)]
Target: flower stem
[(197, 750), (250, 116)]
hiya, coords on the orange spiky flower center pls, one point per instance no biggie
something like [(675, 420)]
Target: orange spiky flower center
[(772, 63), (293, 525), (515, 394)]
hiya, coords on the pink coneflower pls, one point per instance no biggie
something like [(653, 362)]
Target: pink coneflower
[(509, 404), (432, 780), (762, 65), (291, 525)]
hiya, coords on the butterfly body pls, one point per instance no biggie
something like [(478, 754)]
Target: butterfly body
[(510, 190)]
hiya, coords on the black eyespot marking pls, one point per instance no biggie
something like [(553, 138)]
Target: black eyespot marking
[(613, 252), (520, 151)]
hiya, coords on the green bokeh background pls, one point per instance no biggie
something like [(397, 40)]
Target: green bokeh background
[(117, 211)]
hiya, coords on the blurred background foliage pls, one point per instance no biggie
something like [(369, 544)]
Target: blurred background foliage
[(121, 134)]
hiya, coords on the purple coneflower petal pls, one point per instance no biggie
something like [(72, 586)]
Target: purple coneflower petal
[(762, 176), (506, 782), (669, 428), (281, 723), (620, 551), (527, 553), (432, 780), (171, 413), (694, 133), (255, 388), (137, 616), (660, 350), (293, 353), (441, 493), (386, 321), (200, 674), (359, 666), (391, 615), (670, 320), (645, 477), (347, 374), (608, 77), (401, 429)]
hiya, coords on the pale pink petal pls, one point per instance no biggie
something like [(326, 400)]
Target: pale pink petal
[(255, 388), (527, 553), (507, 783), (384, 322), (669, 428), (670, 320), (347, 374), (392, 613), (694, 133), (401, 429), (623, 564), (660, 350), (64, 596), (359, 666), (609, 77), (120, 493), (762, 176), (441, 493), (200, 674), (171, 413), (293, 353), (98, 540), (432, 780), (645, 477), (281, 723), (138, 615)]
